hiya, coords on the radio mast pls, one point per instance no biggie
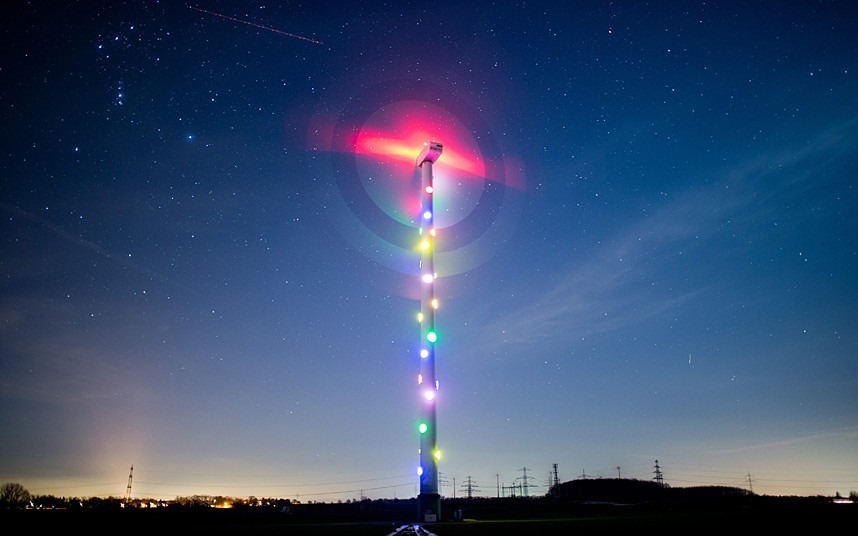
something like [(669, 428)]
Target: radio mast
[(128, 489)]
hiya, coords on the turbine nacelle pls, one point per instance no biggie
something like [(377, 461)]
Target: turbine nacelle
[(430, 153)]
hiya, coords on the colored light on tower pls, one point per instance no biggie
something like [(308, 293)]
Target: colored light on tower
[(428, 500)]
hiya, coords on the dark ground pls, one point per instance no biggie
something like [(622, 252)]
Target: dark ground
[(790, 517)]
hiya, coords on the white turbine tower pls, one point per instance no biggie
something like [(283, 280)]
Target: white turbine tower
[(429, 500)]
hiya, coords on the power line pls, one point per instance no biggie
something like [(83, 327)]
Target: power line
[(470, 487), (524, 480), (659, 477)]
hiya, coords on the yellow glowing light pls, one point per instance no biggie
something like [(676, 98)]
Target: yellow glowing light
[(420, 317), (437, 455), (425, 245), (434, 303)]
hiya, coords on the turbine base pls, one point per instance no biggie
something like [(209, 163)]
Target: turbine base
[(429, 507)]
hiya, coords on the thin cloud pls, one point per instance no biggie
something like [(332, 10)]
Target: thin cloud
[(121, 260), (850, 433), (608, 291)]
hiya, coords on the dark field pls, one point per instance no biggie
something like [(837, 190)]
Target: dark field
[(788, 518)]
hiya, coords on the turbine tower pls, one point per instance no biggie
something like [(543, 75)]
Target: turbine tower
[(429, 500)]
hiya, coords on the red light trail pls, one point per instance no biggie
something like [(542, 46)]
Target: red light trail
[(478, 185), (275, 30)]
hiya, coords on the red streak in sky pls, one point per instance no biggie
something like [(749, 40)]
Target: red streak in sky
[(395, 133), (384, 144), (275, 30)]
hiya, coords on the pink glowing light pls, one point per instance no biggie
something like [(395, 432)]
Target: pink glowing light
[(372, 142)]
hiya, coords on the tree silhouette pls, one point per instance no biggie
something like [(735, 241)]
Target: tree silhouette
[(13, 495)]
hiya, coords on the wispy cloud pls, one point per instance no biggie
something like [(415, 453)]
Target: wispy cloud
[(623, 283), (123, 261), (848, 433), (62, 233)]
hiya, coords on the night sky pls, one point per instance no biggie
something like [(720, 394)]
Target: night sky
[(647, 245)]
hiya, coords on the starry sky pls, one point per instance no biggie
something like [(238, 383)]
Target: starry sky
[(647, 245)]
